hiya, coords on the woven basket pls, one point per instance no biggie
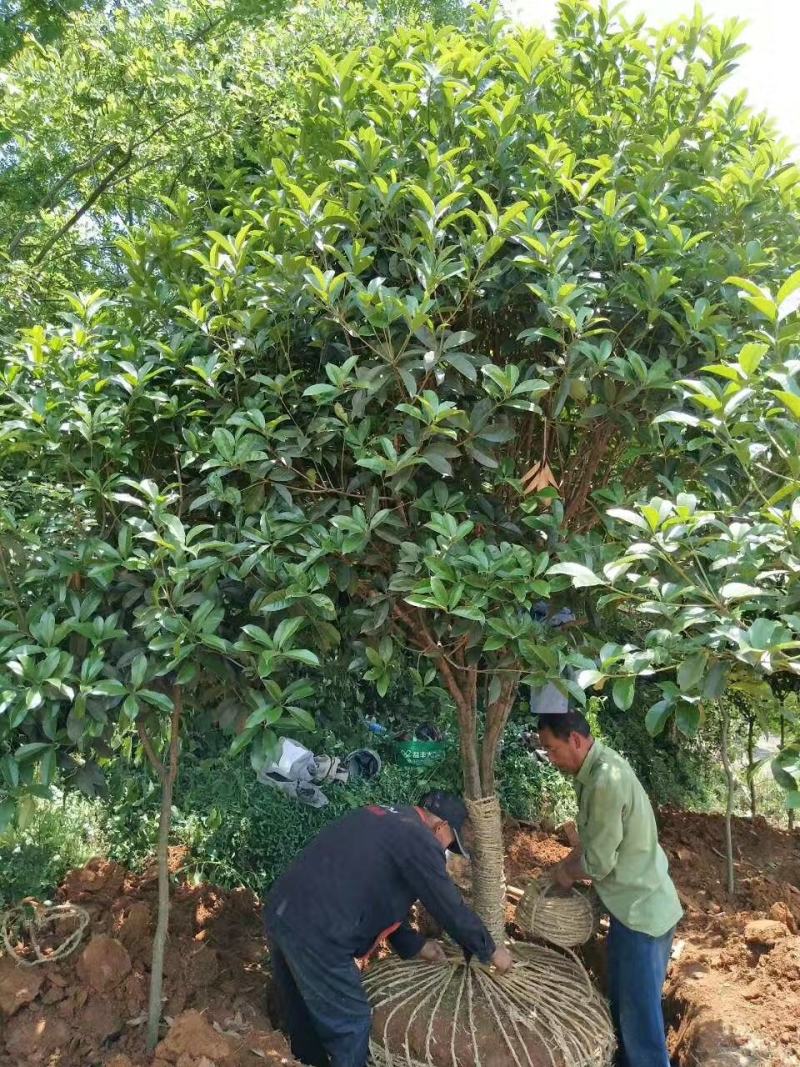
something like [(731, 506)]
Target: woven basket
[(564, 917)]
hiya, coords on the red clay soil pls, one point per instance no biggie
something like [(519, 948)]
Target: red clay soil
[(733, 991), (89, 1009)]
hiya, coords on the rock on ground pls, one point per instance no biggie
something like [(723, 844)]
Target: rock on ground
[(18, 986)]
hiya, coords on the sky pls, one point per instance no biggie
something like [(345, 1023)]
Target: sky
[(770, 71)]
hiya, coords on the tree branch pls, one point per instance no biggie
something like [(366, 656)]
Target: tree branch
[(463, 694), (78, 214), (496, 718), (147, 745)]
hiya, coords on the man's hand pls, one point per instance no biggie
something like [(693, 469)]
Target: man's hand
[(562, 875), (432, 952), (502, 960)]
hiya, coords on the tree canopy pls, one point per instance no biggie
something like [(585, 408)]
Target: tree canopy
[(404, 370), (108, 113)]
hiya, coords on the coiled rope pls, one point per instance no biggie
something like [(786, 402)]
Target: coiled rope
[(22, 928)]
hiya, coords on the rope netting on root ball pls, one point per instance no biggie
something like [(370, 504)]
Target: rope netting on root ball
[(564, 917), (543, 1013)]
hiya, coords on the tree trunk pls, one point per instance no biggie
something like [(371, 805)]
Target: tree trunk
[(488, 866), (750, 763), (726, 763), (167, 773), (790, 813), (477, 762), (488, 869)]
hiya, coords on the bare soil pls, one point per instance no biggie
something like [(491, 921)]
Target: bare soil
[(733, 993), (90, 1009)]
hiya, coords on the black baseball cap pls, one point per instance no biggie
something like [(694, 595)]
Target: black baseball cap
[(452, 810)]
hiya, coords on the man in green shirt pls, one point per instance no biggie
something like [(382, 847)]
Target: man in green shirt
[(619, 852)]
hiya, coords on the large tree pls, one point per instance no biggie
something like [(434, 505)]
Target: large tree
[(384, 391)]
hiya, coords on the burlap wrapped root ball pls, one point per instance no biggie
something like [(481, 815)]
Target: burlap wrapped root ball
[(544, 1013), (564, 917)]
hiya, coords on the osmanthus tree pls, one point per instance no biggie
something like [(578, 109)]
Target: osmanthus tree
[(379, 396)]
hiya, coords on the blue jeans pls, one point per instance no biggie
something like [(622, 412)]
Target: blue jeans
[(325, 1009), (637, 967)]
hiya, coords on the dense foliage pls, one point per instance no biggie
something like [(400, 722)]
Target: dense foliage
[(382, 380), (107, 116)]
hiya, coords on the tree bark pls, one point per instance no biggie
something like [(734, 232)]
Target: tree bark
[(790, 813), (168, 774), (496, 719), (750, 763), (726, 763)]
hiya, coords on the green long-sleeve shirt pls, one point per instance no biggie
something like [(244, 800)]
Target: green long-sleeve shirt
[(621, 853)]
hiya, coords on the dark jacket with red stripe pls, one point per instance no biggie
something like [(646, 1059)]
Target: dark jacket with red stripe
[(358, 879)]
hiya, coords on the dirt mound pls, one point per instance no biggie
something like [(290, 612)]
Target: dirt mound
[(733, 991), (529, 853), (766, 863), (89, 1010), (734, 988)]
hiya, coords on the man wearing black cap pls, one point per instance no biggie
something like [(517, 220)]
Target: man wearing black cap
[(350, 888)]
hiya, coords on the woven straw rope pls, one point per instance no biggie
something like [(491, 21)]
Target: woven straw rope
[(488, 878), (564, 918), (547, 1001), (14, 921)]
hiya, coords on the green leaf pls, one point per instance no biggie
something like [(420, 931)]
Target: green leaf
[(130, 707), (622, 693), (176, 529), (30, 751), (792, 799), (691, 671), (303, 655), (8, 809), (791, 285), (47, 766), (138, 671), (157, 700), (286, 630), (751, 355), (782, 777), (657, 716), (108, 687), (581, 576), (463, 364), (437, 461), (9, 770), (687, 717), (258, 635), (424, 199), (791, 400), (764, 633), (302, 718), (242, 740), (588, 678), (740, 591), (631, 517), (715, 681)]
